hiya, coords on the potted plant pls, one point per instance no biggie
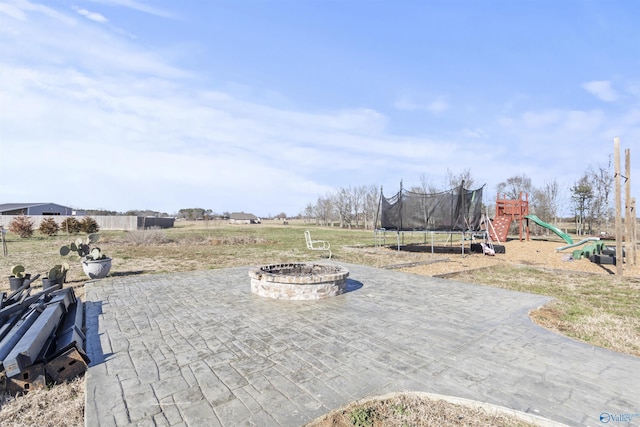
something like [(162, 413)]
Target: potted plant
[(56, 276), (18, 276), (95, 264)]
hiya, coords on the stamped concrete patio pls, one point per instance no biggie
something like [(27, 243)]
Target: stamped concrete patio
[(196, 349)]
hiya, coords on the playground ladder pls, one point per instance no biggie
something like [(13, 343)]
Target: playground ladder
[(500, 228)]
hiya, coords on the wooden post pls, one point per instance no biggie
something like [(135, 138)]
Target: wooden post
[(4, 243), (519, 206), (616, 161), (628, 219), (634, 236), (526, 212)]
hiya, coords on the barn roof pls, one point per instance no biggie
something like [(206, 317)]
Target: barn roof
[(8, 207), (242, 216), (13, 206)]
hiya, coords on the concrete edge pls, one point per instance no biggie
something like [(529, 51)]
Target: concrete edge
[(475, 404)]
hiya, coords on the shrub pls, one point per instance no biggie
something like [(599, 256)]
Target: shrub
[(49, 227), (22, 226), (362, 417), (89, 225), (70, 225)]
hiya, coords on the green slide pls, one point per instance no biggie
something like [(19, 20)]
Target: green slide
[(581, 242), (553, 228)]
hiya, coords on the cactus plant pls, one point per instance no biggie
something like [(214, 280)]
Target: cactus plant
[(59, 271), (56, 276), (17, 271), (95, 264), (18, 277), (83, 248)]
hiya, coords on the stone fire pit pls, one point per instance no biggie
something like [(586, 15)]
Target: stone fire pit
[(298, 281)]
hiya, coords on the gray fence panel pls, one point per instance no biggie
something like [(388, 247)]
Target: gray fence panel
[(104, 222)]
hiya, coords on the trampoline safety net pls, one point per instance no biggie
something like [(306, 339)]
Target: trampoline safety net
[(458, 209)]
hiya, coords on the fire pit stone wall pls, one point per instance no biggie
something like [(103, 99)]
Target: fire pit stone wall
[(298, 281)]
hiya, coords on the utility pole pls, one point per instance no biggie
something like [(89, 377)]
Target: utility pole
[(619, 233)]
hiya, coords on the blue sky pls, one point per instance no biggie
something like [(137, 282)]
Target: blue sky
[(263, 106)]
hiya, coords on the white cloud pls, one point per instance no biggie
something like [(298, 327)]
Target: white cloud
[(93, 16), (12, 11), (559, 143), (476, 133), (436, 106), (139, 6), (97, 50), (541, 119), (19, 9), (601, 89)]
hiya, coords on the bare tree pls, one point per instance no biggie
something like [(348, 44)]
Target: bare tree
[(583, 202), (342, 202), (428, 187), (547, 201), (324, 209), (309, 213), (357, 201), (371, 202), (602, 185), (463, 177), (515, 185)]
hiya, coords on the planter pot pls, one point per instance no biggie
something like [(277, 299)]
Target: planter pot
[(16, 282), (48, 283), (96, 269), (62, 279)]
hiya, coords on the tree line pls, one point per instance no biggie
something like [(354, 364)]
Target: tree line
[(588, 200)]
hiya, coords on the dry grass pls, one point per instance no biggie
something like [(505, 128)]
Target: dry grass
[(59, 406), (591, 304), (616, 332), (419, 411), (146, 237)]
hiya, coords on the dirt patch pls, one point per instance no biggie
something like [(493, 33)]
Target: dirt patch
[(535, 253)]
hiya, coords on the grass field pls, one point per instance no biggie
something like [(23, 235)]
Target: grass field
[(601, 310)]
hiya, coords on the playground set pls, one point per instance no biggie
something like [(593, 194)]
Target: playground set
[(459, 210), (509, 211)]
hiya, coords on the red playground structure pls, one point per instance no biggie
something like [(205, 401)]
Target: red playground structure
[(507, 211)]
